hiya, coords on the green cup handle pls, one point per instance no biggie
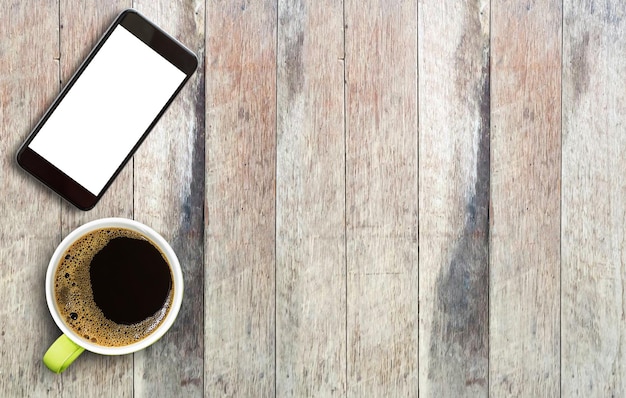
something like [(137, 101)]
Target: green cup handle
[(61, 354)]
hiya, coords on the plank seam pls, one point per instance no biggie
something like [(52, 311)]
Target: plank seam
[(345, 197), (559, 387), (276, 127)]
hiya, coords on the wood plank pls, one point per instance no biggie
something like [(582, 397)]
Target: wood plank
[(240, 199), (310, 204), (525, 192), (594, 200), (454, 115), (381, 198), (169, 196), (81, 27), (29, 231)]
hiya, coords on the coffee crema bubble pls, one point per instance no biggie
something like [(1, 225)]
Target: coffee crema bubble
[(132, 281)]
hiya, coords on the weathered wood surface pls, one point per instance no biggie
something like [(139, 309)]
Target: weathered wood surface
[(593, 232), (524, 332), (454, 197), (310, 205), (394, 198), (240, 201), (381, 198), (30, 230)]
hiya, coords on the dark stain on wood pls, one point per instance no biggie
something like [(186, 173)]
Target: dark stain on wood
[(459, 343), (462, 292), (193, 204), (293, 44), (189, 239), (294, 67), (580, 67), (611, 12), (463, 288)]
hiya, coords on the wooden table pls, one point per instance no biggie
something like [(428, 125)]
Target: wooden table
[(369, 199)]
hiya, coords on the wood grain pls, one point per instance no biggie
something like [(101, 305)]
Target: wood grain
[(454, 114), (525, 197), (169, 196), (594, 200), (310, 203), (240, 199), (381, 198), (310, 182), (29, 231)]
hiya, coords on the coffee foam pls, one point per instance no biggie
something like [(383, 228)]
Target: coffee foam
[(74, 295)]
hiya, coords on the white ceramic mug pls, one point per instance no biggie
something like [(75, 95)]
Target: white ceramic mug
[(70, 345)]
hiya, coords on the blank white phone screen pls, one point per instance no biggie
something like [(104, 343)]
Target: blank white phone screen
[(107, 110)]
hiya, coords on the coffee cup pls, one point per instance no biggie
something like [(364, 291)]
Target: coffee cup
[(114, 286)]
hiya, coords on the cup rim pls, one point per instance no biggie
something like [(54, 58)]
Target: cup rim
[(156, 238)]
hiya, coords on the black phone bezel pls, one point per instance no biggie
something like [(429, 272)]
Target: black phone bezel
[(155, 38)]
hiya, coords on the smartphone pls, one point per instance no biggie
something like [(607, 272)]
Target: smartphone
[(106, 109)]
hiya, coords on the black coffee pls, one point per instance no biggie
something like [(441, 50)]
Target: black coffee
[(130, 280), (113, 287)]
